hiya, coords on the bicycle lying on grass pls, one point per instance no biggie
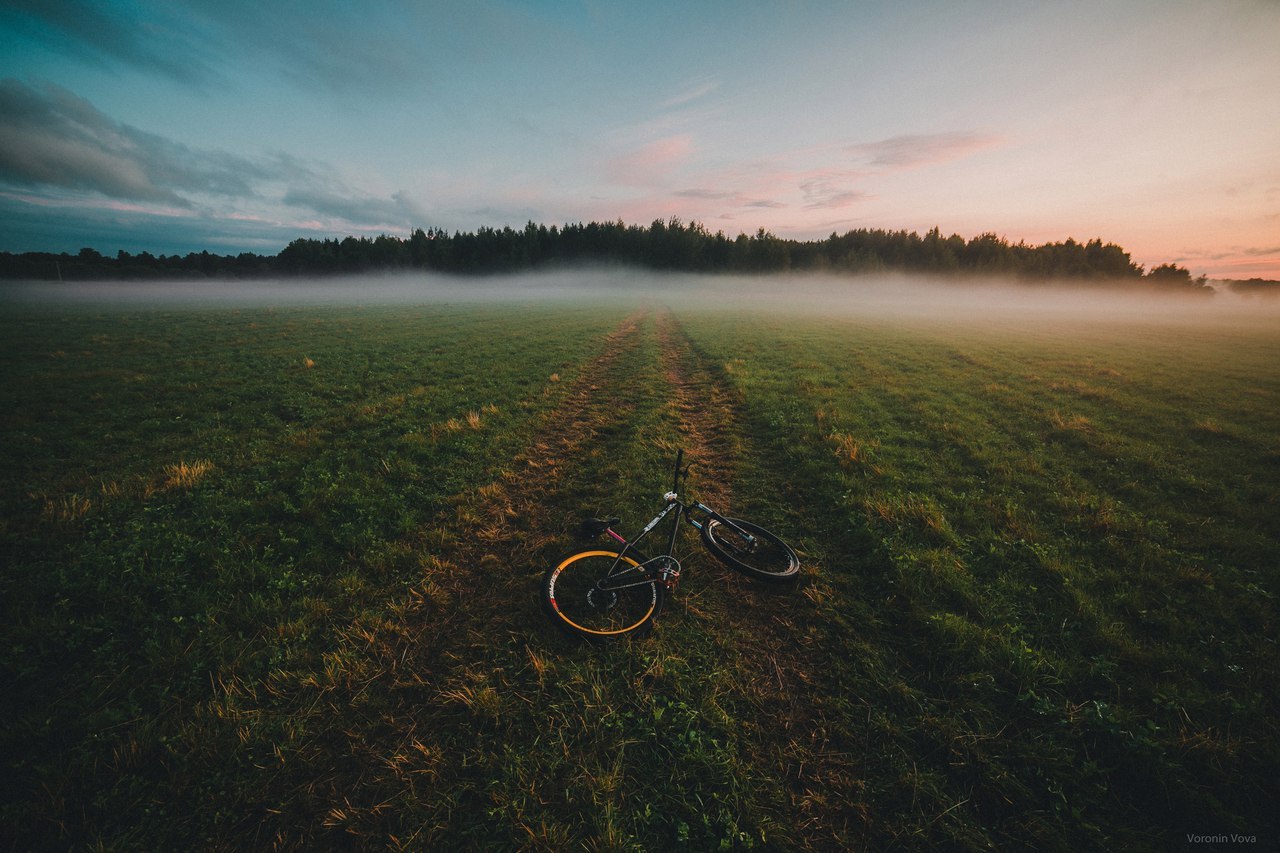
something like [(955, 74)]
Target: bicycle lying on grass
[(607, 593)]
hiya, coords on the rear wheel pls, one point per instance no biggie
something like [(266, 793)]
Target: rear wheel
[(758, 553), (596, 594)]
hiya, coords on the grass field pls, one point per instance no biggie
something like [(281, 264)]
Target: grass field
[(270, 577)]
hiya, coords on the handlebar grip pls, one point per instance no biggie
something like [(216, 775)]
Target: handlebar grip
[(679, 458)]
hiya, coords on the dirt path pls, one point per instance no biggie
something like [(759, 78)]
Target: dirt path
[(406, 686), (393, 677), (704, 410), (778, 664), (502, 525), (517, 499)]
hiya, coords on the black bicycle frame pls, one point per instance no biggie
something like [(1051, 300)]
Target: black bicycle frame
[(665, 574)]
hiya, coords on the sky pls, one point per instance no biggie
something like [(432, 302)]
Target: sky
[(236, 125)]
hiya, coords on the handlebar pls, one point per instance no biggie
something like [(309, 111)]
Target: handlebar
[(676, 482)]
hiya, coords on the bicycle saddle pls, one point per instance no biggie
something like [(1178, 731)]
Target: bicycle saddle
[(593, 527)]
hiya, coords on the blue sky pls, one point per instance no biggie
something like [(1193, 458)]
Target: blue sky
[(232, 125)]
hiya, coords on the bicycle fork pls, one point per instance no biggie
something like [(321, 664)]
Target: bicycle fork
[(712, 515)]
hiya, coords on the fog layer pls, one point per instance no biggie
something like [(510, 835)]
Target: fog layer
[(885, 297)]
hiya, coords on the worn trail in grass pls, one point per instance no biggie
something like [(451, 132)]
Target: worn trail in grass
[(472, 700), (780, 676), (389, 698)]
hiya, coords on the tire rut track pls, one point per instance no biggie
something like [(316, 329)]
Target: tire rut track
[(779, 667), (703, 407), (428, 662), (507, 515), (393, 676), (518, 495), (706, 408)]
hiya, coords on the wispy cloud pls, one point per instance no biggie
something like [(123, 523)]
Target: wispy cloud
[(708, 194), (53, 141), (35, 223), (103, 35), (921, 149), (51, 137), (368, 48), (826, 178), (1229, 253), (652, 163), (324, 201), (828, 189), (696, 89), (729, 198), (778, 185)]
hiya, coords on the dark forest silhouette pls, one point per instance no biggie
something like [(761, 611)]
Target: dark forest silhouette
[(664, 245)]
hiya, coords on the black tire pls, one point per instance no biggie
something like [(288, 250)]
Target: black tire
[(576, 604), (764, 557)]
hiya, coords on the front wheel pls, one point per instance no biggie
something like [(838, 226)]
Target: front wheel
[(750, 549), (600, 595)]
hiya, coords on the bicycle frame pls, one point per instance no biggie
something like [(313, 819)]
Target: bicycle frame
[(664, 573)]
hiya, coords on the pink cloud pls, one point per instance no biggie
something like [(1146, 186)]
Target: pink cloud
[(650, 164), (764, 187), (829, 188), (912, 150), (798, 191), (1231, 262)]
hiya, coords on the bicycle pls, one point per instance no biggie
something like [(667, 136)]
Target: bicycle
[(602, 594)]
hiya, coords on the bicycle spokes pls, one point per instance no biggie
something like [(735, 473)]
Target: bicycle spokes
[(750, 549)]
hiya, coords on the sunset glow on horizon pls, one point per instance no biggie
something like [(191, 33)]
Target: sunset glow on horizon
[(238, 126)]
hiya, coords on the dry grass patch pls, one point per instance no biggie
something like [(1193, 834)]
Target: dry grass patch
[(470, 421), (847, 448), (854, 454), (184, 475), (1070, 423), (64, 510), (910, 512), (492, 491), (447, 428)]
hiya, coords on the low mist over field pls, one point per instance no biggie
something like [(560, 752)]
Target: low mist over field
[(872, 296)]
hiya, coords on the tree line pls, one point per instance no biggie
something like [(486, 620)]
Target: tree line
[(663, 245)]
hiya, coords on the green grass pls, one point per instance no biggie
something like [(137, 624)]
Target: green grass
[(1077, 581), (270, 580)]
